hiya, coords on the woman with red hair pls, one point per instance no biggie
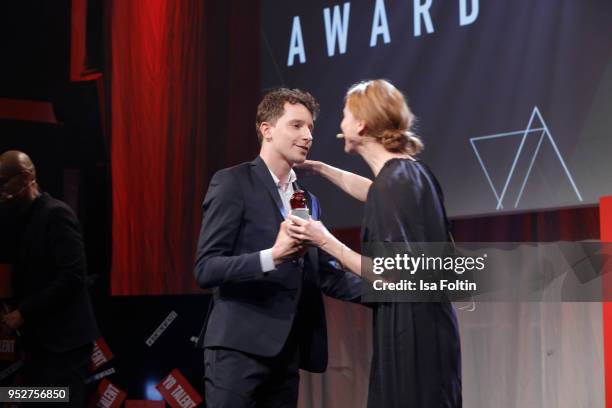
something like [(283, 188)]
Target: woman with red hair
[(416, 358)]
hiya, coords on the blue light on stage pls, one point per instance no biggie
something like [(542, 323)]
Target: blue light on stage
[(151, 392)]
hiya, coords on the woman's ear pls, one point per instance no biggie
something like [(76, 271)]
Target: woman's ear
[(361, 128)]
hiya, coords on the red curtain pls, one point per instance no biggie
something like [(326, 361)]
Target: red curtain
[(156, 107), (183, 84)]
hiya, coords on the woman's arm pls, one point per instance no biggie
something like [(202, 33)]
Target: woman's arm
[(316, 233), (353, 184)]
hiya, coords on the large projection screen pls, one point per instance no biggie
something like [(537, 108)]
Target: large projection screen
[(513, 98)]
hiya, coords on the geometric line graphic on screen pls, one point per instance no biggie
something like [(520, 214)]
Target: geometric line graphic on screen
[(529, 132)]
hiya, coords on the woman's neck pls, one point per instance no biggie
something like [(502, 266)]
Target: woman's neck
[(375, 155)]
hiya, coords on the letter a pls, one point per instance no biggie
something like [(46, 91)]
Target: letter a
[(296, 44), (379, 24)]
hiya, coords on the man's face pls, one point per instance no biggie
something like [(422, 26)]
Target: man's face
[(12, 187), (291, 136)]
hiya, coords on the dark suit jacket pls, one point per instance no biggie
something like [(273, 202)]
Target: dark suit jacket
[(252, 311), (50, 280)]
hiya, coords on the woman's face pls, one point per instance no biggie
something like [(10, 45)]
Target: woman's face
[(352, 129)]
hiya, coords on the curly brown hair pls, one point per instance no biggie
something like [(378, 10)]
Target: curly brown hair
[(272, 106)]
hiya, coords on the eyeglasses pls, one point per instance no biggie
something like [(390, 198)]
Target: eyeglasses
[(4, 181)]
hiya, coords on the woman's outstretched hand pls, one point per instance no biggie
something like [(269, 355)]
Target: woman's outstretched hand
[(311, 231), (308, 168)]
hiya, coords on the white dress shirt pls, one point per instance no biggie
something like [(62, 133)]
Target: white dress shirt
[(285, 190)]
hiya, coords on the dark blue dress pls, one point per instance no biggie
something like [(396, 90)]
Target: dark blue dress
[(416, 359)]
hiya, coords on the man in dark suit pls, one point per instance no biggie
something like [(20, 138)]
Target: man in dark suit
[(267, 317), (53, 311)]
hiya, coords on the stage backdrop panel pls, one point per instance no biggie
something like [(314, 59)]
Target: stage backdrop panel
[(513, 98)]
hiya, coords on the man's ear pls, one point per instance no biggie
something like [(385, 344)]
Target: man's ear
[(28, 175), (266, 131)]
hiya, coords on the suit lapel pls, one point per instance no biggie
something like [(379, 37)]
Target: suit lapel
[(263, 174)]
